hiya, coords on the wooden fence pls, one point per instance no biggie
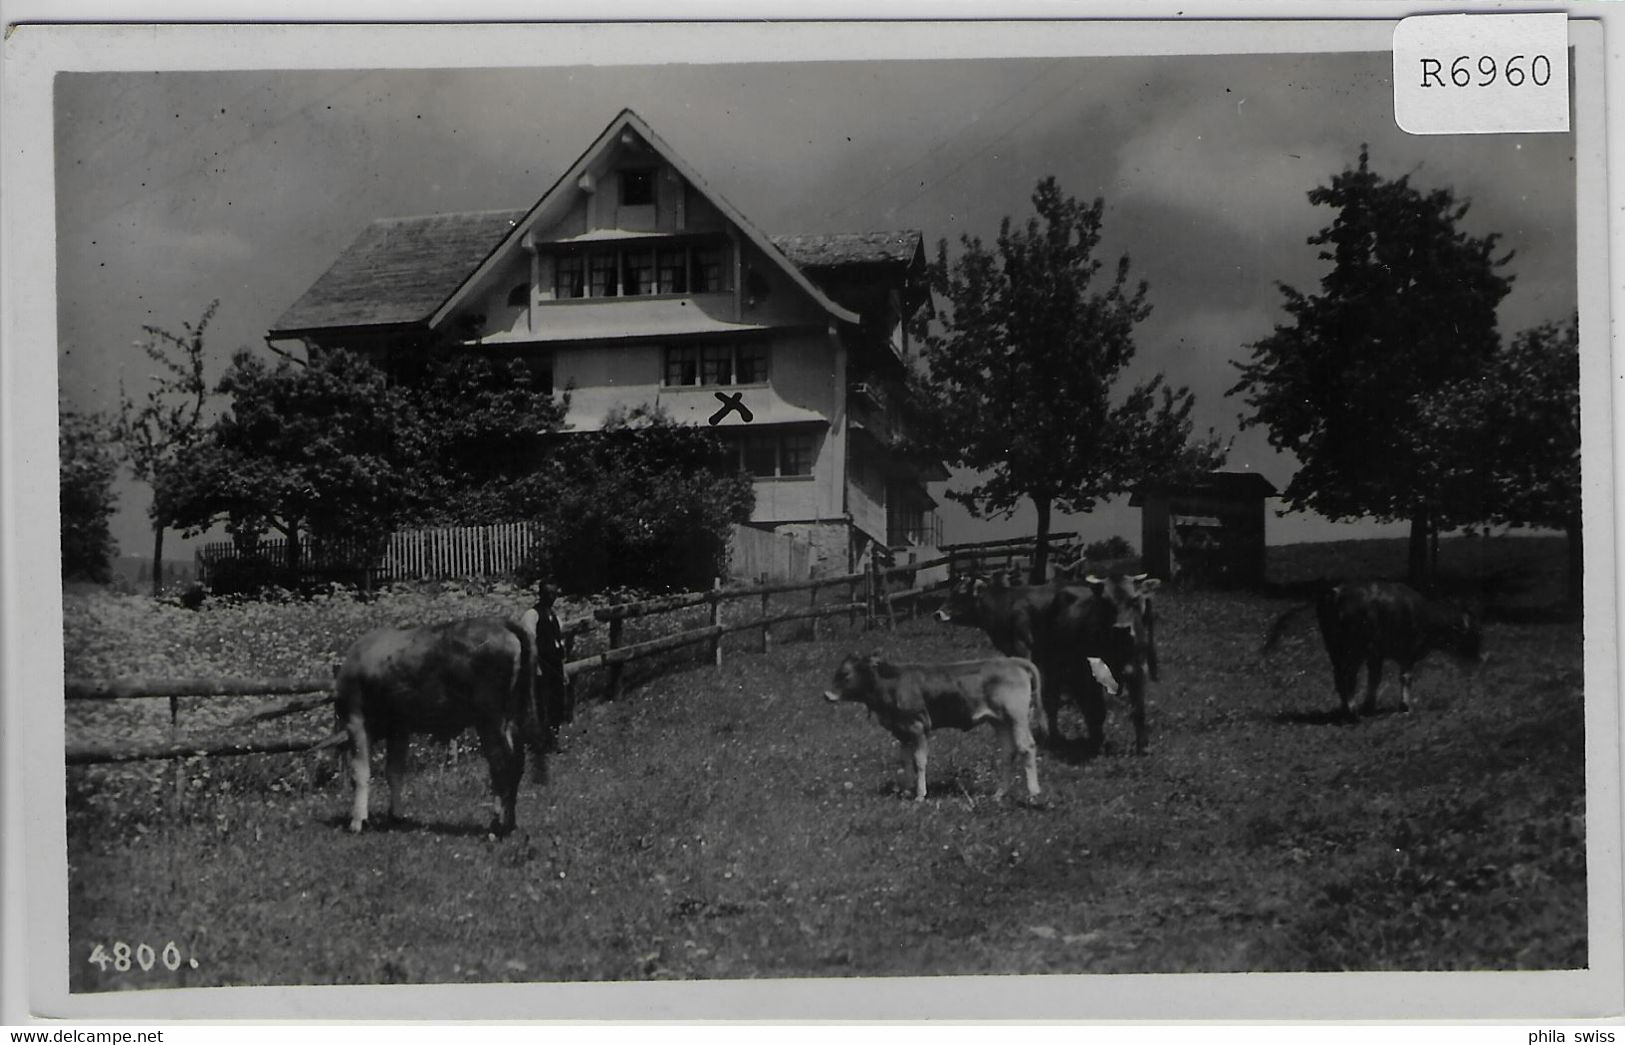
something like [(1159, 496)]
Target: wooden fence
[(1008, 554), (878, 594), (875, 595), (753, 552), (448, 551)]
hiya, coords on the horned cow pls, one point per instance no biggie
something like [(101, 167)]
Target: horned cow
[(911, 700)]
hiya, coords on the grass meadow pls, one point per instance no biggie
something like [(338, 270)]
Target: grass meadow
[(729, 823)]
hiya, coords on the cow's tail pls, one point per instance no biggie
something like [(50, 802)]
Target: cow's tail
[(1035, 714), (1319, 592), (532, 714)]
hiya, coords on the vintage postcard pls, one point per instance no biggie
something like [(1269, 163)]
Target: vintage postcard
[(494, 459)]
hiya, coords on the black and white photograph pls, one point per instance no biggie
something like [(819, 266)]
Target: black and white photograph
[(797, 509)]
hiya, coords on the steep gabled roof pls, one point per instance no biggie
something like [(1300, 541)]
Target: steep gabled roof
[(398, 270), (840, 249), (627, 119)]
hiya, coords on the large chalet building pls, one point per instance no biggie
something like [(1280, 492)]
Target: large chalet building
[(631, 282)]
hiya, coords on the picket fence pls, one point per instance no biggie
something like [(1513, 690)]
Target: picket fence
[(429, 554)]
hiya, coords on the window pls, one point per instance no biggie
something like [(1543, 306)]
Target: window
[(709, 270), (716, 365), (682, 366), (602, 269), (671, 271), (761, 454), (743, 363), (780, 455), (640, 272), (567, 277), (637, 188), (750, 364), (797, 451)]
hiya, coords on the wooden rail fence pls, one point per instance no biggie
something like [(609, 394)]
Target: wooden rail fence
[(876, 593), (867, 593)]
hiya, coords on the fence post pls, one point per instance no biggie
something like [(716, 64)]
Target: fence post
[(569, 679), (813, 604), (615, 669), (763, 582), (871, 607), (716, 620), (851, 602), (180, 763)]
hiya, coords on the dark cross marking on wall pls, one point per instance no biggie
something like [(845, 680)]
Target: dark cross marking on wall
[(730, 403)]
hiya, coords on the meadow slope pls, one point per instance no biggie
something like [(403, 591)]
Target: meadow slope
[(730, 823)]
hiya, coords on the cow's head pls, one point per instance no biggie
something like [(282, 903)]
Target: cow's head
[(964, 600), (1127, 599), (854, 679)]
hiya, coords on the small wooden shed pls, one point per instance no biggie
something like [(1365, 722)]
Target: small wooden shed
[(1208, 531)]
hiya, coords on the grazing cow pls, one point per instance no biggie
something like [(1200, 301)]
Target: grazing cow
[(1073, 631), (1369, 622), (913, 699), (440, 680)]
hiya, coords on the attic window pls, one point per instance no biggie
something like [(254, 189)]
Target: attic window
[(519, 296), (637, 188)]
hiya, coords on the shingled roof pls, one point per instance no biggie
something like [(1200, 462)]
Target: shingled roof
[(836, 249), (398, 270)]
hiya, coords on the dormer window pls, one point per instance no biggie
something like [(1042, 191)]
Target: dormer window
[(637, 188)]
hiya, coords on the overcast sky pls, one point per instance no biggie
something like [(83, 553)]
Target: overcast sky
[(175, 189)]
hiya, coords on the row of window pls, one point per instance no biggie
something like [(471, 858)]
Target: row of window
[(742, 363), (767, 455), (608, 272)]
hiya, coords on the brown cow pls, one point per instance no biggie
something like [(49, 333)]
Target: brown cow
[(1081, 634), (439, 680), (1367, 622), (913, 699), (1017, 619)]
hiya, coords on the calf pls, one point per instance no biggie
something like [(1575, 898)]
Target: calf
[(1368, 622), (913, 699), (440, 680)]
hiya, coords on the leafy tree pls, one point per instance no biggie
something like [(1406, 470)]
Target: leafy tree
[(159, 430), (1405, 314), (325, 448), (1521, 420), (484, 425), (645, 503), (88, 467), (1022, 367)]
